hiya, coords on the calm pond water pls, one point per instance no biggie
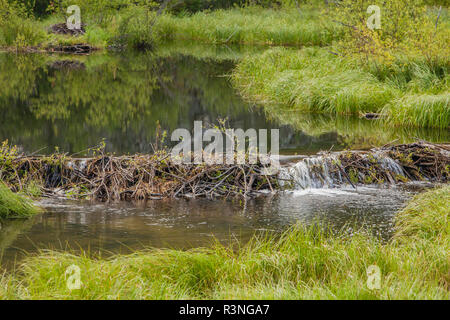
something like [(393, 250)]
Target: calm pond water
[(122, 98), (124, 227)]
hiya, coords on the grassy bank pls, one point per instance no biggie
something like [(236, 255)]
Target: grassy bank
[(300, 264), (137, 27), (251, 25), (410, 93), (14, 205)]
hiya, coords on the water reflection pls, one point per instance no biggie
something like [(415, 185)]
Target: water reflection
[(123, 227), (122, 98)]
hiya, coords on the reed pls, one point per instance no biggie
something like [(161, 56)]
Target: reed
[(312, 80)]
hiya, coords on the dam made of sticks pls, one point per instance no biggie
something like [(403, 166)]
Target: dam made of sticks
[(154, 176)]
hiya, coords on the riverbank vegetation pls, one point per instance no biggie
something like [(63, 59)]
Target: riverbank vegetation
[(399, 71), (314, 80), (13, 205), (329, 63), (299, 264), (137, 24)]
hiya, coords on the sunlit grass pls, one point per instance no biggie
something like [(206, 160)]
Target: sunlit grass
[(420, 110), (311, 80)]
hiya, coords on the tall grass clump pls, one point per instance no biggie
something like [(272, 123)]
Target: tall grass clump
[(399, 70), (423, 110), (250, 25), (302, 263), (311, 80), (426, 217), (414, 74), (13, 205), (315, 80)]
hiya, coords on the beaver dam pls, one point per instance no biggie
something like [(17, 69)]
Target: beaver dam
[(142, 177)]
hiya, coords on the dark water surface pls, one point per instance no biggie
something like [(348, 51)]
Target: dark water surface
[(123, 99)]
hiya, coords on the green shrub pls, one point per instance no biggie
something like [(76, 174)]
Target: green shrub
[(406, 26), (17, 27)]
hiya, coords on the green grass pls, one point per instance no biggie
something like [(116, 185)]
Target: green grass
[(251, 25), (312, 80), (420, 110), (300, 264), (13, 205), (315, 80)]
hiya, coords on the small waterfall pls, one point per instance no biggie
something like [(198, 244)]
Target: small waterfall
[(314, 172), (325, 171), (389, 164)]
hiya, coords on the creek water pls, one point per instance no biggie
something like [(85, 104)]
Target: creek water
[(124, 99)]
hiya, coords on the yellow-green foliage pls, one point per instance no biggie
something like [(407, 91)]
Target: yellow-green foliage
[(17, 28), (406, 26), (300, 264)]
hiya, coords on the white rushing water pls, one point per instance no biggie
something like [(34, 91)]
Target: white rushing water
[(323, 171)]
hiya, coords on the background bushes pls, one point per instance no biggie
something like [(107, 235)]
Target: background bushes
[(17, 28)]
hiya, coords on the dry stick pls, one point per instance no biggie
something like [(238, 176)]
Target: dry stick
[(267, 178), (437, 20), (220, 182), (250, 184), (345, 175)]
